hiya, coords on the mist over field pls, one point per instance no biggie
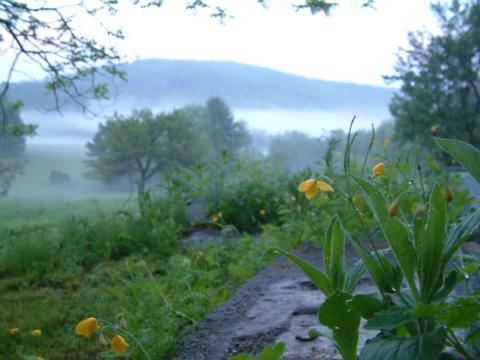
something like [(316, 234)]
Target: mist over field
[(271, 103)]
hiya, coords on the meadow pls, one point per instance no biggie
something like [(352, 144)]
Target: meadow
[(34, 200), (78, 250), (82, 250)]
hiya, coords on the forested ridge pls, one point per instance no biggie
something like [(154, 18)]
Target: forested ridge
[(153, 82)]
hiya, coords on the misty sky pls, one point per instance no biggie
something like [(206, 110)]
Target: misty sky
[(352, 45)]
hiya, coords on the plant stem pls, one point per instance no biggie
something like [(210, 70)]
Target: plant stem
[(458, 345)]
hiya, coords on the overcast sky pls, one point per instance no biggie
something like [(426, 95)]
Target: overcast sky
[(352, 45)]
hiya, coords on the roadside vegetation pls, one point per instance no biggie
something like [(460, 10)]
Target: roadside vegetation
[(98, 259)]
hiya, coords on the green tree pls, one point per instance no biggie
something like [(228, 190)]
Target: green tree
[(440, 77), (142, 145), (225, 134), (12, 145)]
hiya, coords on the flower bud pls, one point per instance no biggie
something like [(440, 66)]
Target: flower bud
[(393, 209), (379, 169), (447, 193)]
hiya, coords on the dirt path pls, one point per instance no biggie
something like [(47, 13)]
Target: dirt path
[(278, 304)]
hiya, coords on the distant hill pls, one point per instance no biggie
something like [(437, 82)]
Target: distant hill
[(159, 82)]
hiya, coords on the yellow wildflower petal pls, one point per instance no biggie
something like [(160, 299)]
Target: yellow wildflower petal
[(324, 186), (119, 345), (379, 169), (87, 327), (310, 193), (39, 358), (14, 331), (37, 332), (306, 185)]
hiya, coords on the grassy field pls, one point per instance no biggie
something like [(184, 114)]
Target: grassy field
[(34, 200)]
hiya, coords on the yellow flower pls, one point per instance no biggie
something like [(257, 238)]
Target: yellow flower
[(14, 331), (37, 332), (87, 327), (39, 358), (311, 186), (263, 212), (199, 255), (119, 345), (379, 169), (434, 128), (386, 142), (215, 218)]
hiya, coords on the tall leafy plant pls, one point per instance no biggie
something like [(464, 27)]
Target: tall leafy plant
[(416, 311)]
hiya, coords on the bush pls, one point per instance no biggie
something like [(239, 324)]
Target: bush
[(86, 242)]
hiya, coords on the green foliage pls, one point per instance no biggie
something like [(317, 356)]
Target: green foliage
[(423, 347), (153, 297), (414, 323), (224, 133), (142, 145), (246, 193), (12, 144), (439, 94), (466, 154), (344, 323), (86, 242)]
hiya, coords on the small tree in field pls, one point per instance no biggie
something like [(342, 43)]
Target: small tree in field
[(142, 145)]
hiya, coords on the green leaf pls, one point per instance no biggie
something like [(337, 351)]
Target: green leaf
[(242, 357), (353, 276), (378, 267), (390, 319), (335, 264), (451, 355), (344, 323), (271, 352), (395, 233), (459, 234), (460, 315), (464, 153), (448, 284), (432, 244), (423, 347), (428, 310), (473, 336), (314, 274), (366, 305)]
